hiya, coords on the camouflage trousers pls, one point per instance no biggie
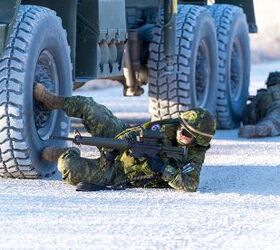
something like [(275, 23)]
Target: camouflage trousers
[(269, 125), (98, 121)]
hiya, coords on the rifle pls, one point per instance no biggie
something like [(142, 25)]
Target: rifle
[(147, 144)]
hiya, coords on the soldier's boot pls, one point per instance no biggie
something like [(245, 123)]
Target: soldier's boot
[(50, 100), (52, 153), (263, 131), (253, 131)]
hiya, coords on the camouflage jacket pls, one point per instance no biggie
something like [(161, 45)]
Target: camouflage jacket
[(172, 175), (265, 102)]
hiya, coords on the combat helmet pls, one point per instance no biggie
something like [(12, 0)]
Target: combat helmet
[(273, 78), (200, 123)]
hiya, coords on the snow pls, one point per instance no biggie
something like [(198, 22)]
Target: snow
[(236, 206)]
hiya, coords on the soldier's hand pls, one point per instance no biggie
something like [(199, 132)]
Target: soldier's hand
[(156, 164), (110, 154)]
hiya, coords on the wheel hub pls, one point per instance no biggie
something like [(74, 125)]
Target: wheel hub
[(236, 71), (45, 73), (202, 75)]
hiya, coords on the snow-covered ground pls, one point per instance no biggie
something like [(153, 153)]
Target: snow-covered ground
[(236, 207)]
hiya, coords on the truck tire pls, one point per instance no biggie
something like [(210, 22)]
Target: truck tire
[(234, 63), (193, 84), (37, 51)]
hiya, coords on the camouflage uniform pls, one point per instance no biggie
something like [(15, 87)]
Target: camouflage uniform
[(99, 121), (262, 114)]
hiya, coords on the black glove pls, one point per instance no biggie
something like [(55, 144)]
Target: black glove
[(156, 164), (110, 155)]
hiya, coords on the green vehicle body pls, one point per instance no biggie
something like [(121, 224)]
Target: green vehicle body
[(89, 22)]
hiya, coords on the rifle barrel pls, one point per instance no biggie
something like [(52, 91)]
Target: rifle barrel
[(103, 142), (61, 138)]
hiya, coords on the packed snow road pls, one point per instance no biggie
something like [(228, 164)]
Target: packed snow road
[(236, 207)]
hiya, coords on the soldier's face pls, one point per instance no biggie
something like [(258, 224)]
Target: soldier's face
[(183, 136)]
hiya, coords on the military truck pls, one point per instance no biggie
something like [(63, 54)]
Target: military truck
[(190, 52)]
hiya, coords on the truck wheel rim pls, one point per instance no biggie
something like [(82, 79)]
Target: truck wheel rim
[(202, 72), (236, 71), (45, 73)]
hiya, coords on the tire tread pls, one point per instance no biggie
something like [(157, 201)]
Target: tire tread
[(14, 151)]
